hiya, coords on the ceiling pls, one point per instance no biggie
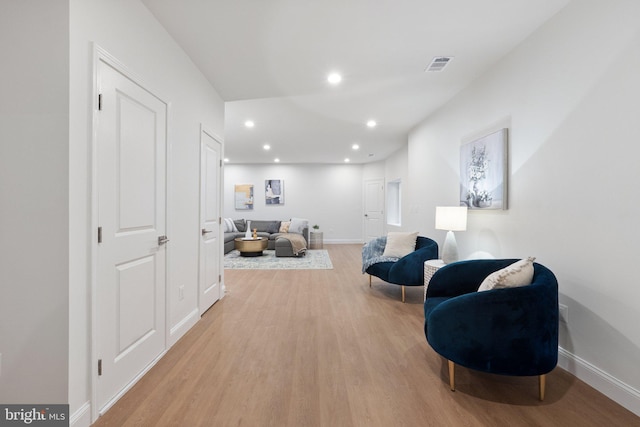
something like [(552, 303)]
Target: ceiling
[(269, 61)]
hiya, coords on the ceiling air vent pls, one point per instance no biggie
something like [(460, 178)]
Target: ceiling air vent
[(438, 63)]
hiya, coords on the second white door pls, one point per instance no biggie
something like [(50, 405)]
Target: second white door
[(373, 209), (210, 219)]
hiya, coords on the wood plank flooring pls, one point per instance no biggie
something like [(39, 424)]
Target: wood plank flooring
[(321, 348)]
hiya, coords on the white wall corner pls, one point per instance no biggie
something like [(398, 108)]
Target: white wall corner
[(181, 328), (81, 417)]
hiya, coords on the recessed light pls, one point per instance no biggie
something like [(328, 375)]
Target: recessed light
[(347, 160), (249, 123), (334, 78), (277, 160), (266, 147), (372, 123), (355, 147), (226, 160)]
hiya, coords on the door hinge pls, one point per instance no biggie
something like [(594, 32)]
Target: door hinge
[(219, 220), (99, 367), (99, 234), (219, 278), (99, 102), (220, 162)]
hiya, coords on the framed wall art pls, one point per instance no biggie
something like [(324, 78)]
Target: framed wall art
[(483, 172), (243, 197), (274, 192)]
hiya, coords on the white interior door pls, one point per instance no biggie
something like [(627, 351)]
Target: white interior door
[(210, 218), (131, 257), (373, 208)]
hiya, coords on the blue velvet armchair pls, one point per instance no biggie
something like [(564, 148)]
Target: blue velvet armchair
[(510, 331), (406, 271)]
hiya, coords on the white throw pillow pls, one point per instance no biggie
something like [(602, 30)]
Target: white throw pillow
[(230, 226), (298, 224), (400, 244), (520, 273)]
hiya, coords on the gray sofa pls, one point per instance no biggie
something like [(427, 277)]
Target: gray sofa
[(268, 229)]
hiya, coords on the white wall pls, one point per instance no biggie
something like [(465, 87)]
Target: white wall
[(129, 32), (34, 166), (570, 96), (327, 195)]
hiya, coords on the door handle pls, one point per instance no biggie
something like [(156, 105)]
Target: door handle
[(205, 231), (366, 215), (162, 240)]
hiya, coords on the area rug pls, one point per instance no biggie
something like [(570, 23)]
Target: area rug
[(317, 259)]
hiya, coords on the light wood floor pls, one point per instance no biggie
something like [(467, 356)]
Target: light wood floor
[(321, 348)]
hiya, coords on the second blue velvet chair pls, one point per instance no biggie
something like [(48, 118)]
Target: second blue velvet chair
[(406, 271)]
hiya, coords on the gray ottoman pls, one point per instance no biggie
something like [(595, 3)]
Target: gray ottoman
[(283, 248)]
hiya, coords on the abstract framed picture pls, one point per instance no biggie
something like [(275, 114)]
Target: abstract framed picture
[(243, 197), (483, 172), (274, 192)]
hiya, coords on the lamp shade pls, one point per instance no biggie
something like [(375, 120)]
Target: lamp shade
[(451, 218)]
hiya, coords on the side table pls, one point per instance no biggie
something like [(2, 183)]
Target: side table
[(430, 267), (315, 240)]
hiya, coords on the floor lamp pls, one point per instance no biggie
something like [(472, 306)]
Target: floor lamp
[(451, 218)]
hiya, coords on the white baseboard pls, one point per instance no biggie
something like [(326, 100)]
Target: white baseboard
[(183, 326), (133, 382), (613, 388), (81, 417), (343, 241)]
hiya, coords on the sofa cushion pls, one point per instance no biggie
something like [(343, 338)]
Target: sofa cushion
[(241, 225), (520, 273), (265, 226), (274, 227), (400, 244), (229, 237)]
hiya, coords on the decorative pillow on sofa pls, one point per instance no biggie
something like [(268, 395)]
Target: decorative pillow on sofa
[(273, 227), (298, 224), (400, 244), (284, 226), (520, 273), (240, 224), (229, 226)]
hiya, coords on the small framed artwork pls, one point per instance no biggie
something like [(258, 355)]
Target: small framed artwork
[(483, 172), (274, 192), (243, 197)]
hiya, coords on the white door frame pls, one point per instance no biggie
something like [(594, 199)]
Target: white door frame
[(101, 55), (219, 230)]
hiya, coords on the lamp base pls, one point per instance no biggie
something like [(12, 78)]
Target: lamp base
[(450, 249)]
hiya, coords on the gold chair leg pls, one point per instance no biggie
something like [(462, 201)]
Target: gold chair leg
[(542, 382), (402, 293), (452, 375), (369, 280)]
